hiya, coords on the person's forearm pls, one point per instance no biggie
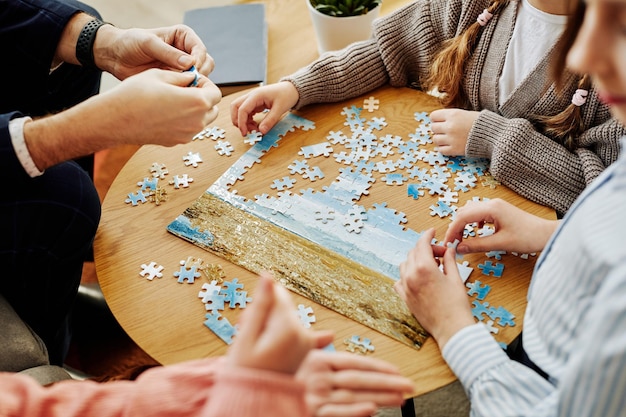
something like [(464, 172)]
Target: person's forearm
[(67, 135), (66, 49)]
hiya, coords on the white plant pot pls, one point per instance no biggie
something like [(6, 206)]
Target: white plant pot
[(334, 33)]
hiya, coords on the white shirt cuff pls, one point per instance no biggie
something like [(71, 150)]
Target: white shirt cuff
[(16, 130)]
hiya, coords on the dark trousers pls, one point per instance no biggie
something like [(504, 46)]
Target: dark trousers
[(515, 351), (47, 224)]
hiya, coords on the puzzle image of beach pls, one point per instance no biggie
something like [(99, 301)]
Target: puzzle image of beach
[(320, 227)]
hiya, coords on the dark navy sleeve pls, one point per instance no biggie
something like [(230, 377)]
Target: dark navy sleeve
[(29, 33)]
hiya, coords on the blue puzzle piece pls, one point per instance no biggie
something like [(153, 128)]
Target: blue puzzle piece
[(479, 309), (149, 184), (496, 254), (189, 274), (215, 302), (502, 316), (137, 198), (240, 299), (489, 268), (220, 326), (414, 191), (231, 289), (475, 288)]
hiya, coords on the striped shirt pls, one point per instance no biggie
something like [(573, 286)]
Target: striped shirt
[(574, 325)]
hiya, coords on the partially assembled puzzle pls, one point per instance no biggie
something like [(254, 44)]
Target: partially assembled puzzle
[(321, 242), (319, 226)]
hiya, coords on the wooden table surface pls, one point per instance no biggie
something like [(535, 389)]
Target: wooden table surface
[(165, 318)]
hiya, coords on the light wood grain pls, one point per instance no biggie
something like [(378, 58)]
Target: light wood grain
[(165, 318)]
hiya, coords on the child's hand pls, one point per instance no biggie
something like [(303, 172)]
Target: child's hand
[(451, 129), (279, 98)]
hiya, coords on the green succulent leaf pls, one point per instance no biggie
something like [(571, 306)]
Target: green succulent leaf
[(344, 8)]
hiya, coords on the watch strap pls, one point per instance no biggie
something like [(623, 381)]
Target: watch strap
[(84, 45)]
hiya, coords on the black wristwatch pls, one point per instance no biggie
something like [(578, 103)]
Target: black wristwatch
[(84, 45)]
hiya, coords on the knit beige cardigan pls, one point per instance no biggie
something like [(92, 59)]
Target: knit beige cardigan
[(528, 162)]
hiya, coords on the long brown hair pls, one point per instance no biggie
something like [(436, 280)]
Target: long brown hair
[(449, 65), (566, 126)]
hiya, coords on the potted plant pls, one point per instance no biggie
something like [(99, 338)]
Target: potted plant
[(344, 8), (338, 23)]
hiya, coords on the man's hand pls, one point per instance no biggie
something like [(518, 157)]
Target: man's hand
[(155, 106), (125, 52)]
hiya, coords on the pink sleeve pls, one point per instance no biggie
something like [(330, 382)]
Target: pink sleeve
[(177, 390), (183, 390), (252, 392)]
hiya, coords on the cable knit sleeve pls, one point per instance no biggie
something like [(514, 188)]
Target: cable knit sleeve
[(399, 52), (536, 166)]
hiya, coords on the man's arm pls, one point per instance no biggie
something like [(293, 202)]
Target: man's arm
[(66, 48)]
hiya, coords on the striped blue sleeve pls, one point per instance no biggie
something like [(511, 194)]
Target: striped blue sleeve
[(496, 385), (594, 382)]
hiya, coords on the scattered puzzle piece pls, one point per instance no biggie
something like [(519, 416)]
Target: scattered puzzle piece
[(283, 183), (148, 184), (231, 289), (316, 150), (192, 158), (306, 316), (371, 104), (208, 289), (220, 326), (181, 181), (476, 288), (224, 148), (489, 268), (136, 198), (187, 274), (151, 271), (253, 137), (158, 170), (357, 345)]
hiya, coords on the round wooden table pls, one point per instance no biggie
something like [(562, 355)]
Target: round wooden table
[(165, 317)]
